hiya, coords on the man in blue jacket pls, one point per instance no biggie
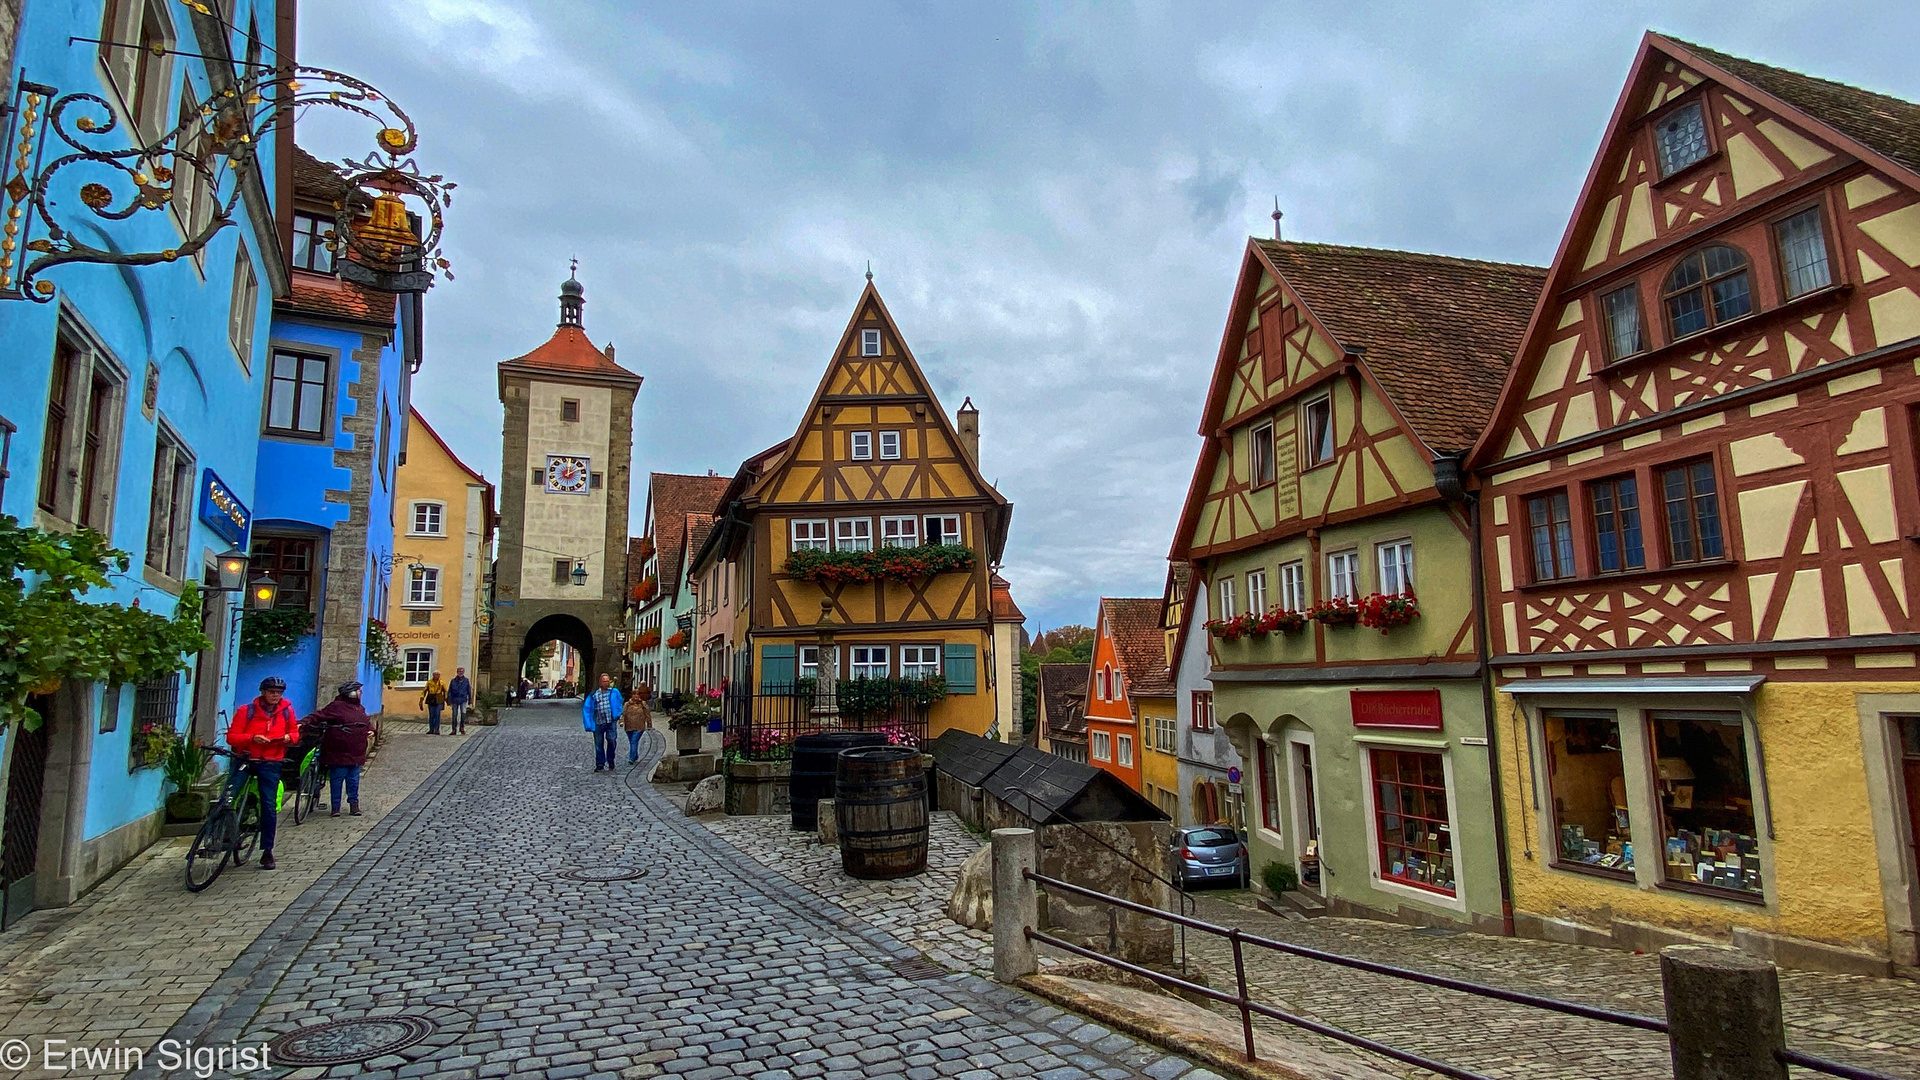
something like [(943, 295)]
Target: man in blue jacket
[(600, 713), (460, 697)]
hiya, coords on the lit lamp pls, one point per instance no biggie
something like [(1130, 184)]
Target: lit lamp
[(233, 570), (261, 591), (580, 574)]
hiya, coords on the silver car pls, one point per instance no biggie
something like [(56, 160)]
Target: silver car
[(1209, 853)]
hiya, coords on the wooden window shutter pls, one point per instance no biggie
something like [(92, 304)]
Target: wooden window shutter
[(777, 670), (961, 670), (1273, 350)]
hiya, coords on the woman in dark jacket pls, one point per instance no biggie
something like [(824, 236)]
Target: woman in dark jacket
[(343, 744)]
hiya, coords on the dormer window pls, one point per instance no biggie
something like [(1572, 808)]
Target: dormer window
[(1681, 138), (869, 343), (312, 235), (1706, 288)]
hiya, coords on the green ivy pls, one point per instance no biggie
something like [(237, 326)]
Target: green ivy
[(48, 633), (273, 632), (862, 699)]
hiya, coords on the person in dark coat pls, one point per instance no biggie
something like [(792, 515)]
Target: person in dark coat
[(345, 736)]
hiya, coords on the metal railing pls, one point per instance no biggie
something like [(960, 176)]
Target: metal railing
[(1248, 1008), (762, 725)]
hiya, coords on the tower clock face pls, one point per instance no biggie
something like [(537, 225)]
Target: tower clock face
[(567, 475)]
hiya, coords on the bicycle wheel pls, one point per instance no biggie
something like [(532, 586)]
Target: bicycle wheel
[(311, 783), (246, 813), (212, 847), (302, 796)]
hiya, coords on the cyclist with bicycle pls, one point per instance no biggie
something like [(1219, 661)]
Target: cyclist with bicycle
[(260, 736)]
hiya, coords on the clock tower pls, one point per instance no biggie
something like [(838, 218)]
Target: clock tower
[(567, 443)]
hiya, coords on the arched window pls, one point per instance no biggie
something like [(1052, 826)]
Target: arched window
[(1706, 288)]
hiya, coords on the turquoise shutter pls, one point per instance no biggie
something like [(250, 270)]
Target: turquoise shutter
[(776, 669), (960, 669)]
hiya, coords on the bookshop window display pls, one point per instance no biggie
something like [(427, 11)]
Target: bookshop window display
[(1587, 779), (1705, 791), (1411, 823)]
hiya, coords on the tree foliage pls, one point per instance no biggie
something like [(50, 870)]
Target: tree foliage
[(1078, 651), (1064, 637), (49, 633)]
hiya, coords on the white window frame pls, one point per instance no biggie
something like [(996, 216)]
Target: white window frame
[(1123, 749), (1395, 563), (901, 531), (244, 304), (1100, 745), (1261, 449), (1166, 734), (1458, 901), (423, 575), (1293, 586), (1308, 442), (860, 445), (869, 343), (853, 534), (809, 662), (948, 528), (892, 454), (439, 517), (810, 542), (858, 668), (407, 656), (1343, 564), (926, 662), (1226, 598), (1257, 591)]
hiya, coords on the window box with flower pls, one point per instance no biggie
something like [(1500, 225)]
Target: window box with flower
[(648, 588), (826, 568), (678, 640), (1339, 611), (1384, 611), (645, 639)]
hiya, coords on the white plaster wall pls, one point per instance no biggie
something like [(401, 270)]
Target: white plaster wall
[(562, 526)]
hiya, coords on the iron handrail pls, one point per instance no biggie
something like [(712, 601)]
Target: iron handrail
[(1830, 1067)]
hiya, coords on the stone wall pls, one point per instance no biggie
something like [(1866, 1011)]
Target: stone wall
[(1101, 856), (343, 613)]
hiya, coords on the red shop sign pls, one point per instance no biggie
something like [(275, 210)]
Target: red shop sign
[(1397, 709)]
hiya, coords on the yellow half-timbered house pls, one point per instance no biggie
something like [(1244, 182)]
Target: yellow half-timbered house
[(865, 544)]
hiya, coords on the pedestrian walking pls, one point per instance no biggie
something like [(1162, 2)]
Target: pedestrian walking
[(345, 735), (526, 687), (433, 699), (459, 698), (259, 737), (599, 711), (637, 718)]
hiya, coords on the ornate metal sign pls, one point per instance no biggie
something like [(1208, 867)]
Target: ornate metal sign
[(97, 175)]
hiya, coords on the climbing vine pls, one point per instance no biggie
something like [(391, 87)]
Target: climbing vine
[(273, 632)]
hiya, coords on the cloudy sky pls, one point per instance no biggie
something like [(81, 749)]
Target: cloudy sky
[(1054, 198)]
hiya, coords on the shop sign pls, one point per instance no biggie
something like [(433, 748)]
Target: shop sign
[(1397, 709), (222, 510)]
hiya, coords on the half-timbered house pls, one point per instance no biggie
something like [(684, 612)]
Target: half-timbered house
[(1349, 383), (1701, 509), (863, 549)]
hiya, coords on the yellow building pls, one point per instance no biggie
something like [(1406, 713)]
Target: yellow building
[(860, 549), (443, 544)]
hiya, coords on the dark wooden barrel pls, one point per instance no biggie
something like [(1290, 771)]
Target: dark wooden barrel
[(880, 804), (814, 761)]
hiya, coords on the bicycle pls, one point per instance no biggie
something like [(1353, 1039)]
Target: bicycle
[(232, 828), (307, 786)]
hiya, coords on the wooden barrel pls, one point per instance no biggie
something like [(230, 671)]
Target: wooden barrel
[(880, 805), (814, 762)]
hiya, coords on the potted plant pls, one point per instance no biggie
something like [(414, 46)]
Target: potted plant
[(184, 766), (1338, 611), (152, 742), (1383, 612), (690, 718)]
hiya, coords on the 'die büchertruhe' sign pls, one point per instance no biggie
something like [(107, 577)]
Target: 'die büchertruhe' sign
[(222, 510), (1397, 709)]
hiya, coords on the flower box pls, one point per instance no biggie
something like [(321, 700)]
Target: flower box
[(1251, 625), (1383, 612), (826, 568), (1338, 611), (677, 640)]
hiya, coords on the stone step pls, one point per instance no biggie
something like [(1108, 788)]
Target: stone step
[(1306, 903)]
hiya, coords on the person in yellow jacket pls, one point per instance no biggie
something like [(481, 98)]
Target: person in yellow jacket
[(432, 699)]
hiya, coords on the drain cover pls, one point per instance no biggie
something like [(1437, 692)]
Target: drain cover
[(918, 969), (343, 1042), (603, 873)]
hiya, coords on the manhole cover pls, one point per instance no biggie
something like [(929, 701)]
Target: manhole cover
[(343, 1042), (918, 969), (603, 873)]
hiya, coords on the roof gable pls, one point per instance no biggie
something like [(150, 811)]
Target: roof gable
[(1132, 623), (670, 498)]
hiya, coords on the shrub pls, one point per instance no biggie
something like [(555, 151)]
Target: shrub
[(1279, 877)]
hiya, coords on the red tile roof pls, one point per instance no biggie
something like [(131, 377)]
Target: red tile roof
[(694, 528), (1063, 696), (1004, 609), (637, 556), (1133, 622), (569, 349), (317, 179), (1438, 332), (670, 498), (325, 295)]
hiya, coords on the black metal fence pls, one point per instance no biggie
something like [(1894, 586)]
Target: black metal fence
[(761, 726)]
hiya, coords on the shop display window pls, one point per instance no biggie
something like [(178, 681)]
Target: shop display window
[(1410, 819), (1587, 780), (1706, 801), (1269, 789)]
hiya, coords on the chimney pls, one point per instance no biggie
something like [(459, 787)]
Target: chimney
[(967, 421)]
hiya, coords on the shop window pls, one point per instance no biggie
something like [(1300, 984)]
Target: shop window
[(1587, 780), (1693, 512), (1707, 288), (1802, 242), (1263, 455), (1550, 535), (1616, 524), (1681, 138), (1706, 801), (1625, 335), (1269, 788), (1411, 828)]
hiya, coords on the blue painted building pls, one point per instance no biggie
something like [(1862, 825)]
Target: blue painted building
[(332, 434), (121, 395)]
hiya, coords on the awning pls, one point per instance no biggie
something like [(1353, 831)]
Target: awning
[(1641, 684)]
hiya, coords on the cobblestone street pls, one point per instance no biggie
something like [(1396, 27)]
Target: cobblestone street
[(457, 914)]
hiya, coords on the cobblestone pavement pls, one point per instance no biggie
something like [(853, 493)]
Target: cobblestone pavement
[(1874, 1023), (457, 909), (912, 909), (130, 957)]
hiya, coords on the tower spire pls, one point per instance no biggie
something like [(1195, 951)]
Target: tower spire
[(1276, 217), (573, 295)]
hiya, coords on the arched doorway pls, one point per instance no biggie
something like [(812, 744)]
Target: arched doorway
[(562, 628)]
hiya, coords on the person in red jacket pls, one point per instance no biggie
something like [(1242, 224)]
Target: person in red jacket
[(260, 735)]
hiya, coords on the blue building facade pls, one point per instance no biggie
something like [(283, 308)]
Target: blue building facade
[(121, 391), (332, 434)]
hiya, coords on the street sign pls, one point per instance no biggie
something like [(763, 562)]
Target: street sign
[(1233, 775)]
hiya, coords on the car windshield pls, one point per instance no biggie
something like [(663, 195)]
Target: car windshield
[(1211, 838)]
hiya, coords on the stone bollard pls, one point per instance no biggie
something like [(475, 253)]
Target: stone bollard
[(827, 824), (1723, 1014), (1016, 904)]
